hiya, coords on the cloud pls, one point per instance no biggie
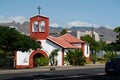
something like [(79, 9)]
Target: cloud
[(18, 19), (80, 24), (54, 25)]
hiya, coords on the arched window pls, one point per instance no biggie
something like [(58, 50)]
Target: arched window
[(42, 26), (35, 26)]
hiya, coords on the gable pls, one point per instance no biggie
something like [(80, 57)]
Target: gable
[(71, 39), (61, 42), (66, 41)]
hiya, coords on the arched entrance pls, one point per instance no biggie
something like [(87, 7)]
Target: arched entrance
[(35, 57), (36, 54)]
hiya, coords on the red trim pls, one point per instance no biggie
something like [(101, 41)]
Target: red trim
[(33, 53), (82, 47), (39, 16), (22, 66), (39, 35), (62, 56), (30, 59)]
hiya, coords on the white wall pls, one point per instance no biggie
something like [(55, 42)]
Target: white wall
[(49, 46), (86, 50), (65, 52), (78, 45), (22, 58)]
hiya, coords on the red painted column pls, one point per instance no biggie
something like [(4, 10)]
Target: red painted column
[(82, 47)]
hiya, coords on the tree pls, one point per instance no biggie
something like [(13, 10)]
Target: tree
[(64, 31), (117, 30), (100, 44), (95, 46), (90, 40), (53, 56), (11, 40), (111, 47), (75, 57), (117, 43), (110, 54)]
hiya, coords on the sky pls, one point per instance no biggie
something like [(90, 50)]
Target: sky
[(63, 13)]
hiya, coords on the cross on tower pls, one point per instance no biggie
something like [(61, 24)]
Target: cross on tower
[(39, 10)]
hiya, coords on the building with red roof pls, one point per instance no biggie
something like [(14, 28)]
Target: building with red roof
[(39, 29)]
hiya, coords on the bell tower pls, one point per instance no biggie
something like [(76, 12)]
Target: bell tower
[(39, 26)]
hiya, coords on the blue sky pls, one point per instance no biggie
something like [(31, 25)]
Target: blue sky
[(64, 13)]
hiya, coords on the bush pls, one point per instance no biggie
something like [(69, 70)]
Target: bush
[(94, 58), (42, 61), (75, 57), (107, 55)]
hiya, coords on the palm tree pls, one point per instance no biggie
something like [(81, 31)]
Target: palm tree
[(53, 56), (75, 57)]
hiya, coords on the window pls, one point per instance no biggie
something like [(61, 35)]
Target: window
[(35, 26), (42, 26)]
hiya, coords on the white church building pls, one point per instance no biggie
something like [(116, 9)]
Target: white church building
[(39, 29)]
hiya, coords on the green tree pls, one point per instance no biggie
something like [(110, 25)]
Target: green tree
[(75, 57), (110, 54), (95, 46), (90, 40), (64, 31), (99, 46), (53, 56), (117, 30), (117, 43), (111, 47), (11, 40), (87, 38)]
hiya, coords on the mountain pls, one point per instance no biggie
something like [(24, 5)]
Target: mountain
[(24, 28), (82, 28), (109, 34), (55, 29)]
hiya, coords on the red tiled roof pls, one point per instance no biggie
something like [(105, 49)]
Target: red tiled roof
[(71, 39), (65, 40), (61, 42)]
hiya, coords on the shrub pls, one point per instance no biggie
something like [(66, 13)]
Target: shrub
[(75, 57), (42, 61)]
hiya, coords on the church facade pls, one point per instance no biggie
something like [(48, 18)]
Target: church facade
[(39, 29)]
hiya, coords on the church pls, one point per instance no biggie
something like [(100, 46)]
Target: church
[(39, 29)]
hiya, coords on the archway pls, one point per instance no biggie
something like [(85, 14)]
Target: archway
[(36, 54)]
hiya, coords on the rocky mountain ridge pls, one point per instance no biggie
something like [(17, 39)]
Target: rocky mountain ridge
[(109, 34)]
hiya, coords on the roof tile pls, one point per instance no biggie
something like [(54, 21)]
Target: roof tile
[(65, 40)]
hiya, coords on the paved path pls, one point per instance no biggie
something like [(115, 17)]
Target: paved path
[(47, 68)]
